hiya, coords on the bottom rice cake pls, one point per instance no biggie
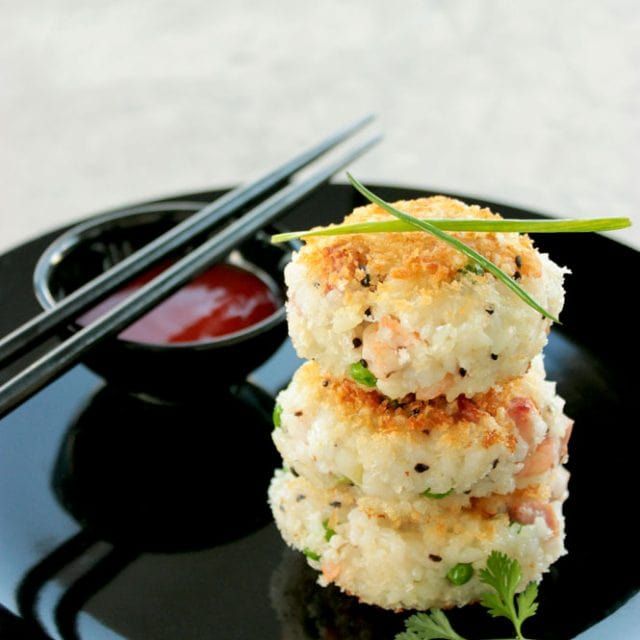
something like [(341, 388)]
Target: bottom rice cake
[(418, 553)]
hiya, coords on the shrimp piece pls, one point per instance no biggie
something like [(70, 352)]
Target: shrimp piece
[(521, 506), (564, 443), (544, 457), (521, 411), (527, 511), (384, 346), (330, 571), (526, 505)]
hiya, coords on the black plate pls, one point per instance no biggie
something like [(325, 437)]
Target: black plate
[(120, 519)]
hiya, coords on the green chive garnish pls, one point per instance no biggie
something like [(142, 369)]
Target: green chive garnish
[(461, 224), (456, 244), (460, 574), (277, 416), (360, 373), (436, 496), (312, 555)]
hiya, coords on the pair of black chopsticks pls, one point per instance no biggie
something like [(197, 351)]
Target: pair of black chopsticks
[(68, 353)]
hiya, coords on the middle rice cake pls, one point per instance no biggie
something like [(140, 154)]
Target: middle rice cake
[(333, 433)]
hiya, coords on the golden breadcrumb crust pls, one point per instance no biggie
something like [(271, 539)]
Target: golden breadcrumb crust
[(373, 257), (381, 414)]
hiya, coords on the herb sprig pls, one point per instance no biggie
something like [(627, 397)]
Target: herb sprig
[(428, 626), (460, 224), (456, 244), (502, 574), (439, 227)]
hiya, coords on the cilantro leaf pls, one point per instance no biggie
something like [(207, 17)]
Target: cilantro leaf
[(527, 606), (428, 626), (504, 574)]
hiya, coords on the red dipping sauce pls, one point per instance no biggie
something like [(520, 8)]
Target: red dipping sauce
[(223, 300)]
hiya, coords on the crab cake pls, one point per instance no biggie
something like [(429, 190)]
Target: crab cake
[(332, 431), (398, 554), (407, 313)]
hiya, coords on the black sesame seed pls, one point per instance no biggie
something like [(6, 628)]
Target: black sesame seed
[(434, 557), (300, 497), (363, 362), (357, 343), (421, 468), (297, 414), (517, 275), (494, 356), (466, 493), (518, 261), (294, 473), (325, 383), (366, 281), (336, 504), (495, 463), (490, 311), (367, 312), (463, 371)]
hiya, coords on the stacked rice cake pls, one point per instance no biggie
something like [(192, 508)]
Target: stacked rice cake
[(422, 435)]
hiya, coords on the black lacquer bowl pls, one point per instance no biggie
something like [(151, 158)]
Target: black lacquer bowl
[(167, 371), (121, 518)]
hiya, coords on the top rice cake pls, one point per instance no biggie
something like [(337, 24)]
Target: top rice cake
[(413, 311)]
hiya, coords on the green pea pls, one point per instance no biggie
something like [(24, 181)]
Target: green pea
[(360, 373), (328, 531), (312, 555), (277, 416), (460, 574), (436, 496), (518, 526), (475, 268)]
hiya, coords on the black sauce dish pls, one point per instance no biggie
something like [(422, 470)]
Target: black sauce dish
[(164, 372)]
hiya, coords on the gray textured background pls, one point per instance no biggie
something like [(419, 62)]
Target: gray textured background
[(532, 102)]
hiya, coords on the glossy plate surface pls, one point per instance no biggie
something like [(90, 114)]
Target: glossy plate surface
[(125, 519)]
